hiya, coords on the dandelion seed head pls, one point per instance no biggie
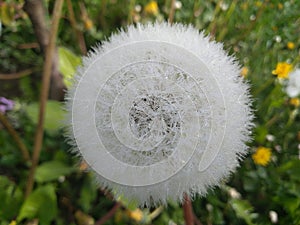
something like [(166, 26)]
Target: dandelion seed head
[(293, 87), (159, 110)]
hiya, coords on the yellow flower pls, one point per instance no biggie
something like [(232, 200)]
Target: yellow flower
[(83, 166), (13, 222), (244, 5), (262, 156), (280, 6), (136, 215), (290, 45), (282, 70), (295, 102), (258, 3), (244, 71), (151, 8), (88, 24)]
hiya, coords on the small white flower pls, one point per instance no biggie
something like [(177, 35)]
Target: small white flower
[(138, 8), (234, 193), (278, 148), (209, 207), (159, 111), (61, 179), (178, 5), (224, 6), (270, 137), (273, 216), (293, 87), (252, 17), (277, 38)]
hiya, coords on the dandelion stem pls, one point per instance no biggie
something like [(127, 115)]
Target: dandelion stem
[(196, 8), (197, 221), (188, 211), (16, 137), (44, 95), (172, 12), (109, 214)]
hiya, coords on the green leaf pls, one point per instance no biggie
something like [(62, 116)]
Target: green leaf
[(292, 168), (52, 170), (130, 204), (88, 193), (261, 133), (40, 204), (217, 216), (54, 114), (68, 62), (243, 209), (11, 198), (291, 203), (7, 13), (251, 181)]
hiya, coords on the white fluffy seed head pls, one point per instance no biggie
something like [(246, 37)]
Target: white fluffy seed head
[(159, 110), (293, 87)]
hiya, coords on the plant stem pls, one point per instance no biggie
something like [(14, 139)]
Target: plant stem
[(16, 137), (197, 221), (156, 212), (130, 11), (79, 35), (17, 75), (188, 211), (101, 16), (109, 214), (172, 12), (44, 94)]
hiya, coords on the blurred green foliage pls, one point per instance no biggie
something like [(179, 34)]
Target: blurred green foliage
[(259, 33)]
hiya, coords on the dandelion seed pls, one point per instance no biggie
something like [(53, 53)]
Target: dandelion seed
[(159, 111)]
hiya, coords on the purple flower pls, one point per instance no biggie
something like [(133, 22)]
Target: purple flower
[(6, 104)]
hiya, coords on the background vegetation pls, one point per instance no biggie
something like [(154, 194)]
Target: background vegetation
[(263, 35)]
